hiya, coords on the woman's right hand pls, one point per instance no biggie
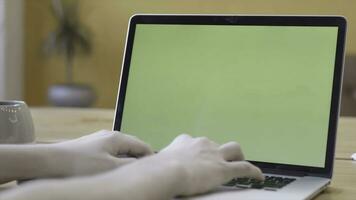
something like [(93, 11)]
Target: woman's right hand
[(206, 164)]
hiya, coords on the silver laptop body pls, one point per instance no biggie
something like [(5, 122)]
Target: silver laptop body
[(272, 83)]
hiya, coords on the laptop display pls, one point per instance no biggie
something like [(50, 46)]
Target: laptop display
[(268, 87)]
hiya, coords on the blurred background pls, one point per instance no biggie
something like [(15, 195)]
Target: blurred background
[(50, 49)]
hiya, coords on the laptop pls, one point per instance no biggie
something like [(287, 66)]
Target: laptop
[(271, 83)]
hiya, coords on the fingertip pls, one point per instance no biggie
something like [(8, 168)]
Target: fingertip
[(245, 169), (141, 149), (259, 174), (148, 151)]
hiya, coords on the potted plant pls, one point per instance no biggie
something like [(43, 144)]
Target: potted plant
[(68, 40)]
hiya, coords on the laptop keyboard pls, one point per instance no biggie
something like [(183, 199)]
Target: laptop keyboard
[(270, 183)]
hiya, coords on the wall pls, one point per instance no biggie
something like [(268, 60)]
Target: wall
[(2, 50), (11, 49), (108, 21)]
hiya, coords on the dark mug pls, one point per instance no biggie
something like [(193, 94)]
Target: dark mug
[(16, 126)]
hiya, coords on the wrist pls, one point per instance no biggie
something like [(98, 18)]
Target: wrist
[(175, 175), (58, 161), (175, 171), (156, 176), (47, 160)]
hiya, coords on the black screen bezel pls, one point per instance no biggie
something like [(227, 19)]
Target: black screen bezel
[(327, 21)]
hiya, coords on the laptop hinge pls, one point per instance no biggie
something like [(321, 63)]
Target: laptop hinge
[(284, 172)]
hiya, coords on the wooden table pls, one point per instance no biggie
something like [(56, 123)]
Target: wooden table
[(346, 138), (55, 124)]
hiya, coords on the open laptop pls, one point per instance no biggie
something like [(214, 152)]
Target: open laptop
[(271, 83)]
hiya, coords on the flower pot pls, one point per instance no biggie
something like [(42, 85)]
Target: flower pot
[(71, 95)]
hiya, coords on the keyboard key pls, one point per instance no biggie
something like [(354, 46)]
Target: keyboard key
[(271, 183), (243, 181), (231, 183), (257, 185)]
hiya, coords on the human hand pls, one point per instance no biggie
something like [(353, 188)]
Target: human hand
[(95, 153), (187, 166), (207, 165)]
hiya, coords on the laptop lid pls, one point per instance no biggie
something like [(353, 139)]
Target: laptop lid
[(271, 83)]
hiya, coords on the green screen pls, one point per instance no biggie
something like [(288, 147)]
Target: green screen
[(266, 87)]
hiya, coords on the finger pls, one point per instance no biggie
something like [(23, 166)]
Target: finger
[(130, 145), (243, 169), (182, 137), (231, 151), (206, 141), (128, 160), (123, 161), (178, 140)]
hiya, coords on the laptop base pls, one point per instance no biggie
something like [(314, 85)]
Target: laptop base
[(301, 189)]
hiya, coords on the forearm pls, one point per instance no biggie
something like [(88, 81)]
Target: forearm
[(144, 179), (24, 162)]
